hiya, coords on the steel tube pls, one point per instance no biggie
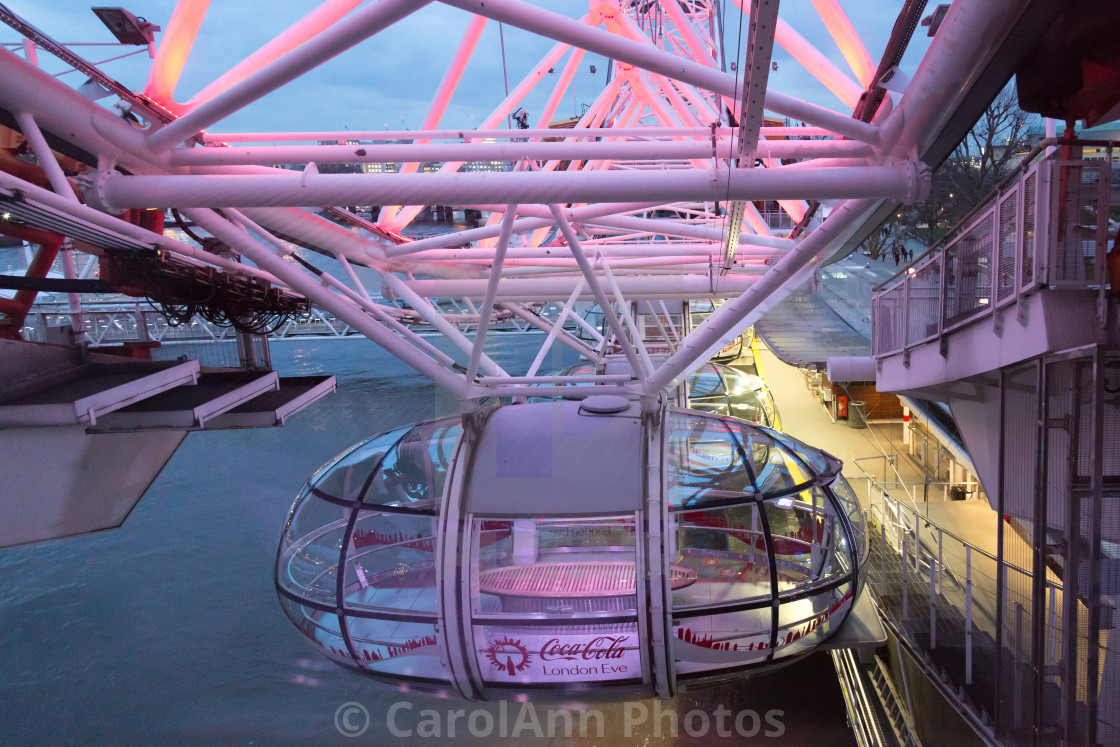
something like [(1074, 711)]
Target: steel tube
[(557, 327), (97, 218), (431, 316), (846, 38), (696, 251), (747, 307), (549, 289), (656, 226), (45, 156), (343, 35), (267, 155), (819, 66), (467, 135), (969, 35), (597, 290), (520, 225), (648, 57), (338, 305), (307, 27), (359, 296), (575, 392), (401, 212), (491, 292), (174, 49), (118, 192), (543, 324)]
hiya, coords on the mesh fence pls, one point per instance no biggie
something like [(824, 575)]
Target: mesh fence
[(941, 594), (1075, 252), (924, 302), (1060, 563), (970, 274), (1008, 236), (1017, 508), (888, 329), (1030, 188)]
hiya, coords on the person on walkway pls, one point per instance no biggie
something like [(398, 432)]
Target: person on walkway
[(897, 252)]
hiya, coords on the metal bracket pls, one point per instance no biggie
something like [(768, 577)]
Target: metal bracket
[(1022, 309)]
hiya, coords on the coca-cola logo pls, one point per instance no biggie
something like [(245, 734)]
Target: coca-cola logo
[(603, 647), (508, 655)]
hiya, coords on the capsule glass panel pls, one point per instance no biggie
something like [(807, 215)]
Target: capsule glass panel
[(553, 566), (346, 476), (804, 623), (569, 590), (718, 641), (704, 460), (393, 647), (412, 473), (391, 563), (726, 549)]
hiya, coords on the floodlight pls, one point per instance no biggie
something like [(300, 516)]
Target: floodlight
[(126, 27)]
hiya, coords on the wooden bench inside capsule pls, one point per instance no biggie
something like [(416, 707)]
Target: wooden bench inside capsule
[(582, 586)]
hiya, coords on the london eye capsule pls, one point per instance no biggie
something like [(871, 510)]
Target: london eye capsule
[(573, 545)]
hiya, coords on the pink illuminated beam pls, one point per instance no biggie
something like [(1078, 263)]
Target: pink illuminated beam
[(833, 78), (441, 100), (174, 49), (561, 87), (643, 132), (312, 24), (851, 46), (359, 26), (701, 51), (515, 97), (646, 56)]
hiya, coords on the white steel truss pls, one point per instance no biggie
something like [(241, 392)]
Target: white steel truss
[(629, 203)]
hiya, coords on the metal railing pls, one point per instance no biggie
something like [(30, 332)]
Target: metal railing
[(114, 322), (942, 593), (1048, 227)]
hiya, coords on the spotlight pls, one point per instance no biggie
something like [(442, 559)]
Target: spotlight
[(126, 27)]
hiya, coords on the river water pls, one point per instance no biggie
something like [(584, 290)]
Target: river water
[(168, 629)]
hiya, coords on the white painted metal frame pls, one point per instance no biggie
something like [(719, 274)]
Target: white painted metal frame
[(628, 205)]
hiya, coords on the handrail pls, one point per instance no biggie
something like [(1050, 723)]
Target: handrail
[(950, 533), (1022, 166), (857, 702)]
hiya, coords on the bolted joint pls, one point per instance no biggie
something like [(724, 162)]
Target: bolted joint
[(920, 178), (93, 188)]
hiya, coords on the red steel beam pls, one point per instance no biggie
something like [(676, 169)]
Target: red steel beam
[(16, 309)]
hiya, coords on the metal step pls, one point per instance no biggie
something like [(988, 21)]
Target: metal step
[(897, 715), (272, 408), (82, 394), (191, 408), (860, 701)]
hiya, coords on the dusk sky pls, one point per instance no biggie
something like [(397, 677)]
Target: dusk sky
[(388, 80)]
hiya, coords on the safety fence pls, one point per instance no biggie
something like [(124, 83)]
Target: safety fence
[(109, 323), (939, 591), (1050, 227)]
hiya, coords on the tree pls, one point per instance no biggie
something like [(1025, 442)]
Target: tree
[(995, 145), (895, 230)]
